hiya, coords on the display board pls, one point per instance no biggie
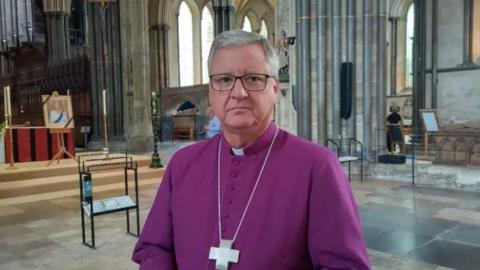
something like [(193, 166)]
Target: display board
[(430, 120)]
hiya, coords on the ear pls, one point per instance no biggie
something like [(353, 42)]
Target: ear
[(276, 89)]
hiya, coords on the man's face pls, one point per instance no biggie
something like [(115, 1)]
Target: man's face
[(241, 109)]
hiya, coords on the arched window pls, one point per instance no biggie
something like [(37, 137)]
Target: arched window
[(185, 45), (247, 26), (264, 30), (207, 39), (409, 46)]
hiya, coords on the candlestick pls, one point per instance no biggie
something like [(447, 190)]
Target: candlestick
[(5, 107), (68, 92), (104, 92), (9, 107)]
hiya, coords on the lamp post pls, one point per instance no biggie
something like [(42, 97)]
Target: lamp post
[(156, 161)]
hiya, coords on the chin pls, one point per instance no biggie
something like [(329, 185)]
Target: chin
[(241, 124)]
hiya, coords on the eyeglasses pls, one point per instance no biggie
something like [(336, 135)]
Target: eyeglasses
[(250, 82)]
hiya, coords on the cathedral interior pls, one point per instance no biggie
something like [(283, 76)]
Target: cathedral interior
[(137, 70)]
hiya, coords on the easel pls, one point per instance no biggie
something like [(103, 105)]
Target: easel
[(430, 125), (59, 132)]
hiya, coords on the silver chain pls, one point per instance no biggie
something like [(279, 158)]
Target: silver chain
[(251, 195)]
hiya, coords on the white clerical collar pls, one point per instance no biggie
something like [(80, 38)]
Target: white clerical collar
[(238, 151)]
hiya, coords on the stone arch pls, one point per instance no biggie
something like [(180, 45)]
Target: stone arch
[(173, 52), (255, 10), (399, 8), (399, 11), (269, 20), (460, 151), (445, 150), (474, 152)]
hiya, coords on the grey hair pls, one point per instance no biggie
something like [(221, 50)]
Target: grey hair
[(234, 38)]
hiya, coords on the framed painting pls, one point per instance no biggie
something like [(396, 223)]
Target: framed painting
[(57, 111)]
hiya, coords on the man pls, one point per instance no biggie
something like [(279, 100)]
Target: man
[(256, 197), (214, 125), (393, 122)]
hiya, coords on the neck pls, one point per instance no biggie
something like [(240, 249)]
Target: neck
[(243, 138)]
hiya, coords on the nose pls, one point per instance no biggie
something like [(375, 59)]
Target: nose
[(238, 91)]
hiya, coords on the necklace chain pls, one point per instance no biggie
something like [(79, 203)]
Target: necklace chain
[(251, 194)]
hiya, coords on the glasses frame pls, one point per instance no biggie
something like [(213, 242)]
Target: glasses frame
[(267, 76)]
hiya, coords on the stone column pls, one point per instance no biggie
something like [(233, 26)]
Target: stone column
[(381, 74), (467, 31), (393, 55), (136, 71), (57, 22), (304, 114), (320, 40), (106, 70), (419, 52), (367, 80), (434, 55), (335, 50), (223, 15), (350, 47)]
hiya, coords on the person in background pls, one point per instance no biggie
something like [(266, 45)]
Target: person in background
[(214, 125), (393, 119)]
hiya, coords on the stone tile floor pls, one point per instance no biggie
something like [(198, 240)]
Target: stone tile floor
[(405, 227)]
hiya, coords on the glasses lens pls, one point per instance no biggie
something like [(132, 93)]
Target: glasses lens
[(222, 82), (254, 82)]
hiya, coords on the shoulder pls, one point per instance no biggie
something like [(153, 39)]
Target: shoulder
[(301, 149)]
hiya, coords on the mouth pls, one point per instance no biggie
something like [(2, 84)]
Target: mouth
[(239, 109)]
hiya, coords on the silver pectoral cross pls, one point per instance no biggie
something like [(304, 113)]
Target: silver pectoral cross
[(224, 254)]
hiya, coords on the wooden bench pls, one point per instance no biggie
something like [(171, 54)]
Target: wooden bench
[(348, 150), (183, 133)]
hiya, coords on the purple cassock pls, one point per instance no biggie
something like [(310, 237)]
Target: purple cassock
[(302, 215)]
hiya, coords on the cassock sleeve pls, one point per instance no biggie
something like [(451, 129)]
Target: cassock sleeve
[(155, 249), (334, 232)]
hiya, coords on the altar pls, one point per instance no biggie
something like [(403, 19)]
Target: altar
[(35, 144)]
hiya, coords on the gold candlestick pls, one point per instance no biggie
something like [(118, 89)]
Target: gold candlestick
[(12, 162), (105, 134)]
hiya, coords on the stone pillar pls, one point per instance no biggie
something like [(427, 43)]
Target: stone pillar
[(136, 75), (467, 31), (381, 74), (57, 22), (223, 15), (304, 114), (419, 52), (320, 40), (393, 55), (350, 47), (161, 46), (335, 50), (367, 80), (106, 73), (434, 55)]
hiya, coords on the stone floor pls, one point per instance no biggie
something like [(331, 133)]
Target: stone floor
[(406, 228)]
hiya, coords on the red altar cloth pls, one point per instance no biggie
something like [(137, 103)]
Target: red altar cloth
[(35, 144)]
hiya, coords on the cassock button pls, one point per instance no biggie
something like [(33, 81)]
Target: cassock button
[(227, 215), (224, 229), (230, 202), (234, 174), (232, 188), (236, 162)]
